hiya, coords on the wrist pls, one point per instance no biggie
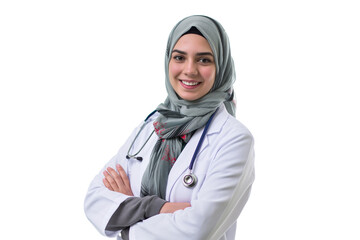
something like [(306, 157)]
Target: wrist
[(166, 208), (170, 207)]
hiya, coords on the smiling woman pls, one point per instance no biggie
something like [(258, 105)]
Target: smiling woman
[(192, 67), (195, 173)]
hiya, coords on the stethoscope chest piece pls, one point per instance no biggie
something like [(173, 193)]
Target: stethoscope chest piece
[(189, 180)]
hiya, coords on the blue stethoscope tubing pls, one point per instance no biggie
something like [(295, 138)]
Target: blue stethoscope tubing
[(190, 179)]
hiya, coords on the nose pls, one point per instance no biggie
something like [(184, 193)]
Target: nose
[(190, 68)]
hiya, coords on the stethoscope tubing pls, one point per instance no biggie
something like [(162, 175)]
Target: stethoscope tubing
[(201, 140), (189, 179)]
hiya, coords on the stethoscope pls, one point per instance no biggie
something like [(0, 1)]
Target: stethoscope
[(190, 179)]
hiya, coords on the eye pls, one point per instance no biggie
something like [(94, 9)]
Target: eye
[(179, 58), (205, 60)]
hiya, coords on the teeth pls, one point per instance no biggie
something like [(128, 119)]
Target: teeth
[(190, 83)]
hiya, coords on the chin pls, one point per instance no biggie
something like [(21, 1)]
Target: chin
[(189, 98)]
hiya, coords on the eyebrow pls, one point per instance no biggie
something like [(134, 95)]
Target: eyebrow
[(197, 54)]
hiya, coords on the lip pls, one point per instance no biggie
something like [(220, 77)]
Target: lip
[(189, 86)]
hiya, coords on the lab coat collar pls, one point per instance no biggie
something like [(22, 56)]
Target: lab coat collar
[(182, 163)]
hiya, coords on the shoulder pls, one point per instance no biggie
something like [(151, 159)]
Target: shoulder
[(146, 126), (230, 143), (227, 126), (235, 127)]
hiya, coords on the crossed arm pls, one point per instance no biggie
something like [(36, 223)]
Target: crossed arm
[(118, 181), (223, 194)]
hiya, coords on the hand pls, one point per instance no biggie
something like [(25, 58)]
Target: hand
[(171, 207), (117, 181)]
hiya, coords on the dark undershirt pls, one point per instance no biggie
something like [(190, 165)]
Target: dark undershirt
[(133, 210)]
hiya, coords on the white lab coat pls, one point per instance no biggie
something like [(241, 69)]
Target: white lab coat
[(225, 171)]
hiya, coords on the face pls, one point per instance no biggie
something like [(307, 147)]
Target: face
[(192, 67)]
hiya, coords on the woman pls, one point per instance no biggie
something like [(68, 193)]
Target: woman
[(144, 192)]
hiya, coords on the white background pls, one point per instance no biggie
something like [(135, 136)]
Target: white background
[(78, 76)]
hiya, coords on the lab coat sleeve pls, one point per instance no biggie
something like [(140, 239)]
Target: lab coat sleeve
[(101, 203), (220, 200)]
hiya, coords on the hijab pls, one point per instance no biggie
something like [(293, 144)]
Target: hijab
[(178, 118)]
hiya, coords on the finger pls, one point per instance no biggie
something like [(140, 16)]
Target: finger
[(107, 184), (116, 177), (111, 181), (126, 187), (123, 175)]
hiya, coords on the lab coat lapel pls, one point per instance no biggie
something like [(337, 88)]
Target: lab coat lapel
[(182, 163)]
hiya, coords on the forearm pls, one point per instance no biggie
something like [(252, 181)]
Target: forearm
[(133, 210), (171, 207), (100, 204)]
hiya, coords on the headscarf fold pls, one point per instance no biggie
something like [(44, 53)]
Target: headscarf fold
[(179, 118)]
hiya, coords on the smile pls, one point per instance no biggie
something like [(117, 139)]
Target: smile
[(190, 83)]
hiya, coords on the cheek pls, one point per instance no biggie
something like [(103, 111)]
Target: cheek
[(209, 75), (174, 70)]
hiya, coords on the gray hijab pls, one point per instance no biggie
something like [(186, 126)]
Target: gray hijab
[(179, 118)]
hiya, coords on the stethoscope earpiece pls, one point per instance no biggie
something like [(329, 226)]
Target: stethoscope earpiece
[(137, 158), (189, 180)]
